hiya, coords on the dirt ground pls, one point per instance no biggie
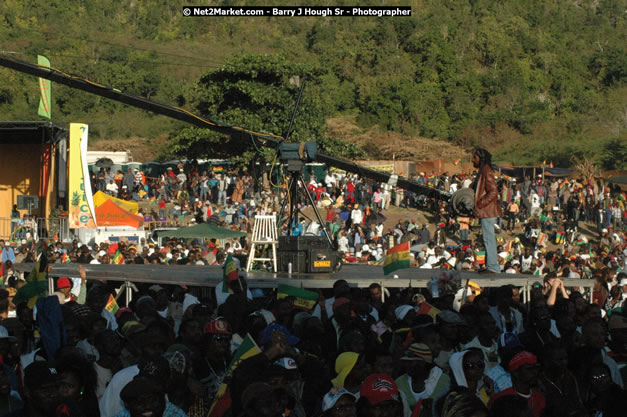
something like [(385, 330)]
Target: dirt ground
[(385, 145)]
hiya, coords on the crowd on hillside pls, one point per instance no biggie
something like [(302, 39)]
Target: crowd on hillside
[(452, 350), (551, 218)]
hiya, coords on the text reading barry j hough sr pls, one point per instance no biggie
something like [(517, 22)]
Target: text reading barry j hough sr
[(296, 11)]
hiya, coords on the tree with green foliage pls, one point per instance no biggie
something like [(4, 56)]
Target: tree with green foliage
[(257, 92)]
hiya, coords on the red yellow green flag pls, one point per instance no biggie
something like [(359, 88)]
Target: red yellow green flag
[(65, 259), (457, 161), (559, 237), (481, 258), (118, 258), (541, 239), (303, 299), (112, 306), (230, 274), (396, 258)]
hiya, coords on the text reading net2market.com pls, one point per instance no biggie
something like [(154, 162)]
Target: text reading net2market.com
[(297, 11)]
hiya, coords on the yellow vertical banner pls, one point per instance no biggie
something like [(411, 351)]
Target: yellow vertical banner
[(44, 88), (81, 213)]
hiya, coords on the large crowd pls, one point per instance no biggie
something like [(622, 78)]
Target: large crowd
[(453, 350)]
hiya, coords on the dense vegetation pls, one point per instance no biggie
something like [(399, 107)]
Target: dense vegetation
[(532, 79)]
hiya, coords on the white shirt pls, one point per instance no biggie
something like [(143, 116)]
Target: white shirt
[(535, 201), (357, 216), (526, 263), (112, 188), (110, 404), (343, 244)]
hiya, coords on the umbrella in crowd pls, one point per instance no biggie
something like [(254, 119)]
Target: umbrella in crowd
[(104, 163)]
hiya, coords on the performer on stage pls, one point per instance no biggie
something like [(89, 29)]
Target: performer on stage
[(486, 206)]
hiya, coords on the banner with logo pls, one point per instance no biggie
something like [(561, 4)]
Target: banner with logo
[(81, 202)]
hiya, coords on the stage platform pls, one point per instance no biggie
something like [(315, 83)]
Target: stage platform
[(357, 275)]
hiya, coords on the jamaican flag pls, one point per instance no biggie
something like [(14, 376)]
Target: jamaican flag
[(36, 283)]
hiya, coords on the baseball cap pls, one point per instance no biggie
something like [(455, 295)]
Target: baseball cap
[(331, 397), (40, 373), (401, 311), (122, 311), (266, 335), (217, 327), (287, 363), (4, 334), (507, 340), (378, 388), (523, 358), (418, 352), (63, 282)]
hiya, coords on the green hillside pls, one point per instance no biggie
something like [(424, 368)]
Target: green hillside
[(531, 79)]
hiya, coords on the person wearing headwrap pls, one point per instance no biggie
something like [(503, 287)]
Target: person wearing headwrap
[(467, 368), (349, 367)]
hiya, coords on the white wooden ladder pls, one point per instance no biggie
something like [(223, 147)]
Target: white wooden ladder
[(264, 233)]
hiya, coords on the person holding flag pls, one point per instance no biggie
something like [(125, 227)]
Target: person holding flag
[(232, 283)]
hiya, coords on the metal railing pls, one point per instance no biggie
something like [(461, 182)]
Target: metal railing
[(45, 228)]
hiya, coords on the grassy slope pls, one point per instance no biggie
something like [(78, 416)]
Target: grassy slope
[(98, 39)]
